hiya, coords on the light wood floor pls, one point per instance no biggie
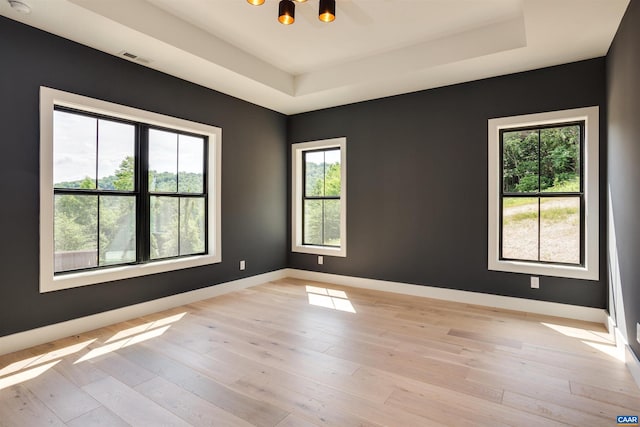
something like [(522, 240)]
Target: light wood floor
[(295, 353)]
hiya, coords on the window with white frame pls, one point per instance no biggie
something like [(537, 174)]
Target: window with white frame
[(319, 197), (124, 192), (543, 194)]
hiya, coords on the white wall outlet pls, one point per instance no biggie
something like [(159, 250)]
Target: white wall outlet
[(242, 265), (535, 282), (638, 331), (320, 259)]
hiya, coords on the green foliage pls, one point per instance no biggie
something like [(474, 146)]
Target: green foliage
[(76, 224), (556, 214), (550, 156), (189, 182), (124, 177), (322, 217), (566, 185)]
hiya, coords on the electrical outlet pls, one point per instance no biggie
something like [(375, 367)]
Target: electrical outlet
[(320, 259), (535, 282), (638, 332), (242, 265)]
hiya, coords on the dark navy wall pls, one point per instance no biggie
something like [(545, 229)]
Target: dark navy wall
[(623, 93), (417, 180), (254, 176), (417, 176)]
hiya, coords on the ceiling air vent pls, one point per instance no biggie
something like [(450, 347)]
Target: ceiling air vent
[(134, 57)]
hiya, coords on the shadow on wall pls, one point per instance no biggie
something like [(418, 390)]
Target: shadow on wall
[(616, 300), (616, 296)]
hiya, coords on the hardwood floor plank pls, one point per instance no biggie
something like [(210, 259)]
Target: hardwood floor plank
[(491, 339), (80, 374), (296, 421), (629, 401), (451, 408), (254, 411), (60, 395), (348, 383), (553, 411), (267, 356), (201, 362), (191, 408), (122, 369), (19, 407), (130, 405), (99, 417)]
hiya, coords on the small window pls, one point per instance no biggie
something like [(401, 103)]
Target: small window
[(542, 198), (319, 197), (543, 213), (124, 192)]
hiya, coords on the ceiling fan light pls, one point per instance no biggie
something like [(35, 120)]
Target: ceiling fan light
[(286, 12), (255, 2), (327, 11)]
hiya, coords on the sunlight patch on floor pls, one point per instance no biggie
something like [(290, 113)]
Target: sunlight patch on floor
[(608, 349), (583, 334), (31, 367), (145, 327), (25, 375), (329, 298), (598, 340), (117, 345), (134, 335)]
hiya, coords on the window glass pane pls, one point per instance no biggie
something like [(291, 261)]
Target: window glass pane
[(117, 229), (560, 229), (75, 232), (313, 219), (520, 228), (332, 222), (192, 228), (74, 150), (116, 151), (560, 159), (520, 161), (164, 226), (314, 173), (332, 173), (190, 164), (163, 161)]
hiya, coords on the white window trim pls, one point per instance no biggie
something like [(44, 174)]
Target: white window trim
[(590, 271), (296, 197), (49, 98)]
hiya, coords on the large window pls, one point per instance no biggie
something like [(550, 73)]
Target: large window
[(319, 197), (543, 194), (124, 192)]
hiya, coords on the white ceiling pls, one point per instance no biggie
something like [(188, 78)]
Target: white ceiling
[(374, 48)]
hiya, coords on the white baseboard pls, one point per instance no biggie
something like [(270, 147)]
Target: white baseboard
[(30, 338), (589, 314), (632, 363), (630, 359)]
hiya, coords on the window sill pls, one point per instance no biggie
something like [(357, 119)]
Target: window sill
[(554, 270), (84, 278), (320, 250)]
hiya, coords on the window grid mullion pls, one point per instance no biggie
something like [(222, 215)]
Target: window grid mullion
[(539, 191), (143, 227)]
